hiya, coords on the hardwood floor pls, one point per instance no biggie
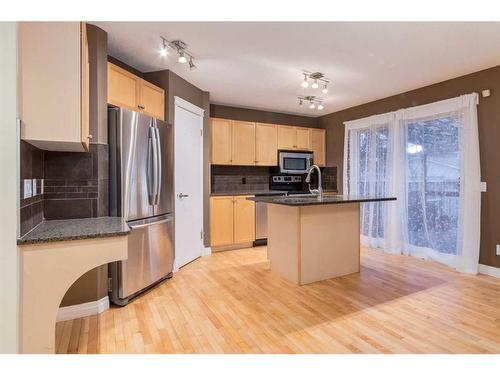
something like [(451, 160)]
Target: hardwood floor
[(231, 303)]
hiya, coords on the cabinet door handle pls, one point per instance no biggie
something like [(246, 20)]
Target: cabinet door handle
[(141, 107)]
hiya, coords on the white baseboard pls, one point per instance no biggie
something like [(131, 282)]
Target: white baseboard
[(83, 309), (489, 270)]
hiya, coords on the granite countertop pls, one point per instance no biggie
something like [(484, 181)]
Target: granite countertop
[(75, 229), (249, 192), (312, 200)]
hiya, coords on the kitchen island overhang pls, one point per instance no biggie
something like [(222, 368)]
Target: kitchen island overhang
[(311, 240)]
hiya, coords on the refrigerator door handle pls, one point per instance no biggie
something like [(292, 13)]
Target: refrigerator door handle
[(150, 166), (158, 166), (154, 141), (145, 223)]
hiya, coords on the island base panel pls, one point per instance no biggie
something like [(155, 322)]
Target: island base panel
[(312, 243)]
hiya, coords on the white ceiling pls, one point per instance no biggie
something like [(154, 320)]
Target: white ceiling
[(259, 64)]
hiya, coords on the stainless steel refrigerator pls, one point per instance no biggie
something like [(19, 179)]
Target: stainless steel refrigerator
[(141, 191)]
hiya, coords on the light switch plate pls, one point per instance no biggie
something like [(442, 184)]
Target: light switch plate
[(483, 186), (498, 249), (27, 189)]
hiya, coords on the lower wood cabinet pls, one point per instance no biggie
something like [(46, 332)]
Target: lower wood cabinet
[(232, 220)]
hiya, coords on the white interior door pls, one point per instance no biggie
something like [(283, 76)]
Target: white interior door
[(188, 125)]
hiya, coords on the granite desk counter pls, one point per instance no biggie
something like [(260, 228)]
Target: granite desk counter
[(310, 240), (53, 256)]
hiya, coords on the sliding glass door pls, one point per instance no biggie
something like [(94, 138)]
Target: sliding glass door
[(432, 186), (428, 158)]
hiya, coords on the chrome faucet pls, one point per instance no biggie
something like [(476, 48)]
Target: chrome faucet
[(319, 191)]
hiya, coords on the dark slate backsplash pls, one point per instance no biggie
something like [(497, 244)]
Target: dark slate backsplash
[(232, 179), (75, 184), (235, 179), (31, 167)]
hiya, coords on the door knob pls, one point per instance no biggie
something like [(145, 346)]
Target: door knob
[(180, 195)]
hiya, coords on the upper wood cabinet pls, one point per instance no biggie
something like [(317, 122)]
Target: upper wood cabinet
[(152, 100), (243, 143), (248, 143), (303, 138), (123, 88), (54, 85), (287, 137), (130, 91), (266, 144), (221, 141), (294, 138), (318, 145)]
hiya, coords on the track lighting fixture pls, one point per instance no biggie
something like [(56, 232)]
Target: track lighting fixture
[(182, 52), (317, 78), (313, 102)]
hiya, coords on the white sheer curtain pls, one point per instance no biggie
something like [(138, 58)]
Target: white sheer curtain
[(368, 172), (428, 157)]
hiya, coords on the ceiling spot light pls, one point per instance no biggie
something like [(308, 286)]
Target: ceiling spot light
[(312, 105), (320, 107), (301, 102), (305, 84), (182, 59), (164, 47), (315, 84), (183, 54), (325, 89), (191, 64)]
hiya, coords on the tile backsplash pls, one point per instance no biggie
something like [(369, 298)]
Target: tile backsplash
[(238, 179), (68, 185)]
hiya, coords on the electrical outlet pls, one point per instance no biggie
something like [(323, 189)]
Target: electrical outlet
[(498, 249)]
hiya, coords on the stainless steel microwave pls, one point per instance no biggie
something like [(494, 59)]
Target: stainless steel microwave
[(296, 162)]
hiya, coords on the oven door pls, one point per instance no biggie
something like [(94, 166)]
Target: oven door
[(295, 162)]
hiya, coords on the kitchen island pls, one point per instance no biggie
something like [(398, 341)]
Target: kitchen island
[(310, 239)]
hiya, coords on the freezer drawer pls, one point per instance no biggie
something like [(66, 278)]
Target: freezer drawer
[(150, 256)]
